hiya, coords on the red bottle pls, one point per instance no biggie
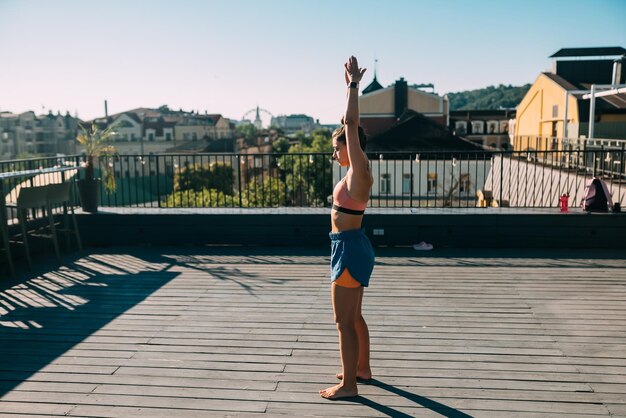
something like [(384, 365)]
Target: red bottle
[(564, 202)]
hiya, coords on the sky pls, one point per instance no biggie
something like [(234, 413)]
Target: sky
[(284, 56)]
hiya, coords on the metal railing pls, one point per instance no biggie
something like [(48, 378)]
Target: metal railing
[(11, 185), (530, 178)]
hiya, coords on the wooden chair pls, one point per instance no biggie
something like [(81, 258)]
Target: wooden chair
[(35, 198), (60, 195)]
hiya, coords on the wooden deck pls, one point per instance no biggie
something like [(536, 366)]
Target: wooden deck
[(190, 332)]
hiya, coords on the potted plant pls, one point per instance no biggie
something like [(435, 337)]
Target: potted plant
[(96, 144)]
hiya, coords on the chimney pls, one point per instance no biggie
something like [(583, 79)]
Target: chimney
[(617, 71), (401, 96), (106, 110)]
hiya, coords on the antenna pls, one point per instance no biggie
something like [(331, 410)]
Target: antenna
[(375, 65)]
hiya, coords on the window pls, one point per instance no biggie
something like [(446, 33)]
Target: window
[(460, 127), (464, 183), (431, 184), (168, 136), (554, 132), (492, 127), (407, 183), (478, 127), (555, 143), (385, 183), (555, 111), (150, 136)]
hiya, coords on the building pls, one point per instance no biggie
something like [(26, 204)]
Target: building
[(17, 134), (46, 135), (381, 107), (414, 157), (559, 104), (154, 131), (489, 128), (291, 124)]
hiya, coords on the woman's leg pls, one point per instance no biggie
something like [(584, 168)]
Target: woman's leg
[(363, 370), (345, 303)]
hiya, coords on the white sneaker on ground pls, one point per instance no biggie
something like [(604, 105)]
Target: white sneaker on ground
[(423, 246)]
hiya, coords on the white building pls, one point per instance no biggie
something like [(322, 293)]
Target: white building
[(415, 182)]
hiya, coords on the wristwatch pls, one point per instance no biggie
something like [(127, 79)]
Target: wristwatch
[(353, 85)]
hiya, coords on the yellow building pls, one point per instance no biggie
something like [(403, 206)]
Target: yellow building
[(558, 106), (541, 114)]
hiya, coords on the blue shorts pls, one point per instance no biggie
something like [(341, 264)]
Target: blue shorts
[(351, 250)]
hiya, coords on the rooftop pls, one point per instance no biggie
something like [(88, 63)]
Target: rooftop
[(213, 331), (589, 52)]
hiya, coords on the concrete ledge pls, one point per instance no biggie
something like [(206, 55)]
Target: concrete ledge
[(451, 228)]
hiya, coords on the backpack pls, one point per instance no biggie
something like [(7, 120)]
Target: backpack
[(596, 197)]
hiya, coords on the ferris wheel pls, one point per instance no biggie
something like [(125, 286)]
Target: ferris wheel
[(261, 117)]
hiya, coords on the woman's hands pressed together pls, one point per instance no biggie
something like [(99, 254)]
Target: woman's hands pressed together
[(353, 73)]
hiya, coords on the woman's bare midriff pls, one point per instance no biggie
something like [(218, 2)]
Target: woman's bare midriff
[(343, 221)]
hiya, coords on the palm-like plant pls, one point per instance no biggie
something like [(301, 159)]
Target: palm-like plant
[(96, 144)]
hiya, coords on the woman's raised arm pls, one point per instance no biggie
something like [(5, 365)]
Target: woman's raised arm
[(357, 157)]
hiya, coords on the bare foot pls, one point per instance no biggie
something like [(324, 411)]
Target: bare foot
[(338, 392), (360, 376)]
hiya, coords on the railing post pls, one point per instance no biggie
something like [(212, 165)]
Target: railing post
[(621, 174), (501, 176), (29, 165), (158, 181), (410, 180), (239, 179), (602, 167)]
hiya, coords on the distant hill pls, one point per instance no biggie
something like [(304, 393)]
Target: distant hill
[(489, 98)]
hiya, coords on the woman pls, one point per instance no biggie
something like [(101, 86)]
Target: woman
[(352, 258)]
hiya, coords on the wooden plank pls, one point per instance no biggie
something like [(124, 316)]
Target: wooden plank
[(33, 408), (139, 380), (140, 401), (125, 412)]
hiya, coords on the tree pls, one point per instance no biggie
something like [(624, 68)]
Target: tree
[(308, 170), (488, 98), (205, 198), (271, 193), (247, 131), (451, 190), (281, 146), (218, 176)]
